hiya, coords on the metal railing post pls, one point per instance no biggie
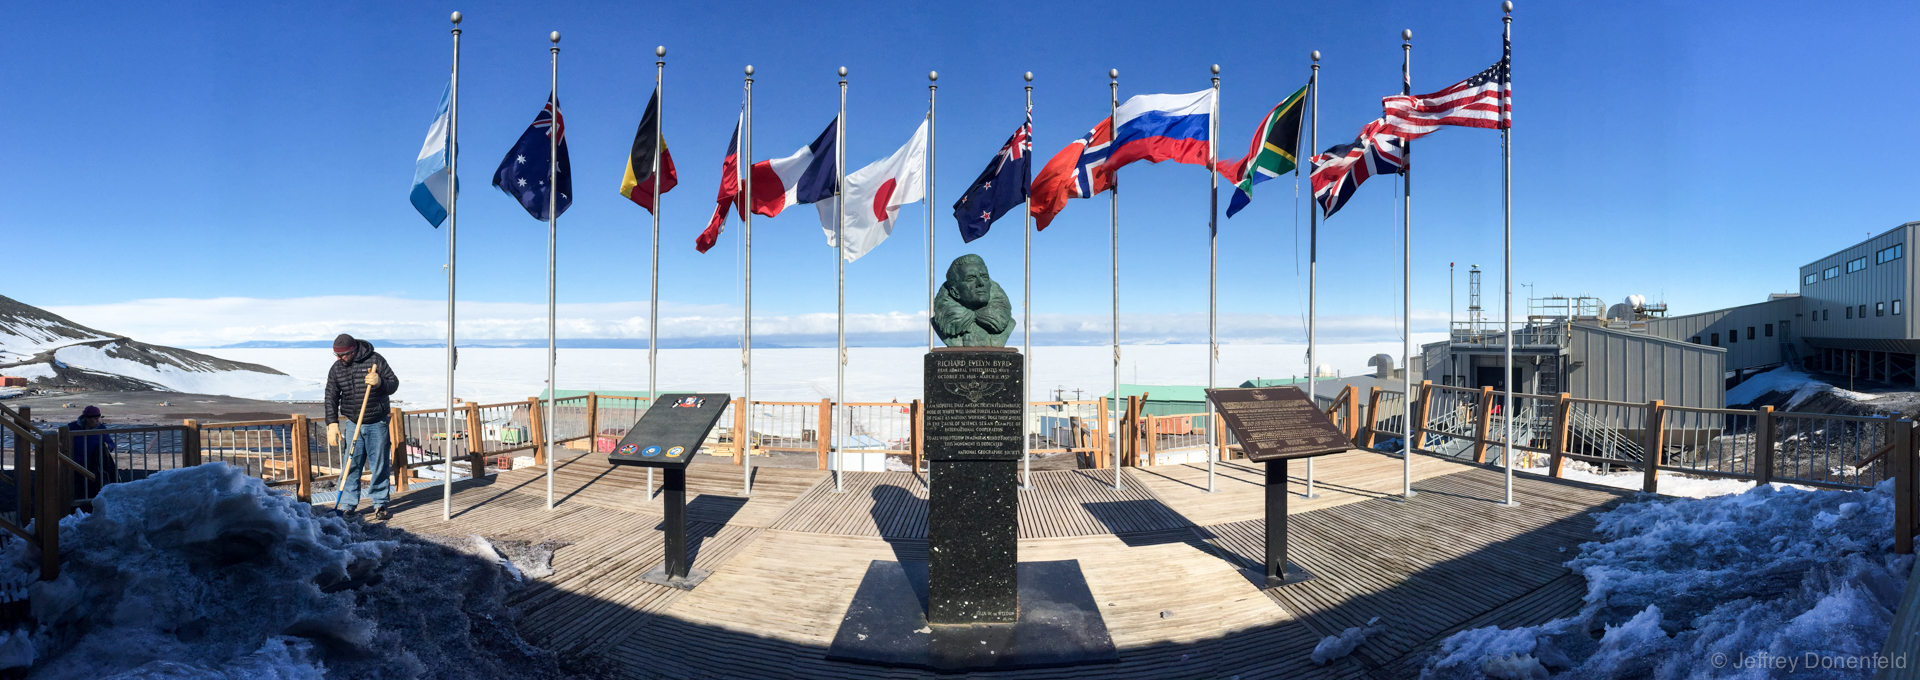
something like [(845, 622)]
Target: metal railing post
[(593, 421)]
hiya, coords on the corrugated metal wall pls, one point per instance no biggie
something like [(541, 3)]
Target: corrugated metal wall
[(1761, 320), (1878, 283), (1621, 366)]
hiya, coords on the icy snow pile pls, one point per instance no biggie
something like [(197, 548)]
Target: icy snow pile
[(1776, 571), (1336, 646), (1783, 379), (204, 572)]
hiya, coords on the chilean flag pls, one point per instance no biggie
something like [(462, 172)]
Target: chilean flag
[(804, 177), (1163, 127)]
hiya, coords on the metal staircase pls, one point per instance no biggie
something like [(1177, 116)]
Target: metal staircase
[(1592, 437)]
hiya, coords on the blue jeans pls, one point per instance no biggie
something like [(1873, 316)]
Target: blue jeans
[(371, 453)]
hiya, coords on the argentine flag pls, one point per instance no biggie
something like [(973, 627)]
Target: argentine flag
[(430, 192)]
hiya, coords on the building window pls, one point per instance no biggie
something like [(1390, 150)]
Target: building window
[(1811, 279), (1889, 254), (1849, 312), (1749, 332), (1733, 336), (1826, 315), (1896, 308), (1830, 273), (1714, 339), (1879, 309), (1769, 330), (1694, 339), (1863, 311), (1856, 265)]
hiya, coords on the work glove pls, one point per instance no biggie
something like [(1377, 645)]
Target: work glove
[(333, 434), (373, 378)]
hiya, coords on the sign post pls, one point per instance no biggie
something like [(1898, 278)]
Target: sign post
[(668, 436), (1276, 426)]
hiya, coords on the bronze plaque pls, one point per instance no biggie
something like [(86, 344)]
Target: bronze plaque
[(973, 399), (1278, 423)]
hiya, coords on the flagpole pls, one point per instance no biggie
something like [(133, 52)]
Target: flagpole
[(840, 271), (1213, 271), (554, 130), (653, 288), (1026, 321), (1506, 198), (744, 166), (932, 86), (453, 221), (1406, 278), (1113, 241), (1313, 259)]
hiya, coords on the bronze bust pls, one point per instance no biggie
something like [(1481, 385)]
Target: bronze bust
[(970, 310)]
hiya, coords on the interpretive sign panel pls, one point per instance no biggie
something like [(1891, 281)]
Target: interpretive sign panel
[(1278, 423), (669, 434), (973, 398)]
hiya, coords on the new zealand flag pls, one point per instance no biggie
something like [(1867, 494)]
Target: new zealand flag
[(1000, 188), (523, 173)]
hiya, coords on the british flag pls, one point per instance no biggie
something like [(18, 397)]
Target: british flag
[(1339, 171), (1483, 101)]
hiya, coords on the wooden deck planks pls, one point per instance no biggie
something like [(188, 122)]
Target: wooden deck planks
[(787, 561)]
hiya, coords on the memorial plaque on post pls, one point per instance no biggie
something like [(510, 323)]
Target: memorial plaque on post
[(973, 414), (668, 436), (1274, 426)]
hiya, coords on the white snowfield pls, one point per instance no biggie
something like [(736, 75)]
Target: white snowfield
[(23, 337), (490, 375), (1728, 586), (187, 377)]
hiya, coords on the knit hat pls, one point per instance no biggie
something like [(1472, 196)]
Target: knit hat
[(90, 412), (343, 343)]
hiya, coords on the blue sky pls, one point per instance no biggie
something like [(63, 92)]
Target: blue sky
[(1696, 152)]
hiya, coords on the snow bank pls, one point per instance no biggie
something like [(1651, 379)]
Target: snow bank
[(1801, 385), (1671, 483), (246, 384), (1337, 646), (204, 572), (1674, 585), (30, 371)]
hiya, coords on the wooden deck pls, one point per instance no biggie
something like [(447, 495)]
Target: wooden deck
[(1173, 566)]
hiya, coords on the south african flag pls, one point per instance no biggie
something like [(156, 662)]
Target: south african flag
[(1272, 152)]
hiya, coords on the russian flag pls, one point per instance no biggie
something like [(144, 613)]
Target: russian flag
[(807, 176), (1163, 127)]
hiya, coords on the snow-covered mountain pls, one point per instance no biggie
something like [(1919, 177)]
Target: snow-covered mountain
[(50, 351)]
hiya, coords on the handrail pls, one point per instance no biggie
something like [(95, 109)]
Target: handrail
[(1603, 402), (232, 425)]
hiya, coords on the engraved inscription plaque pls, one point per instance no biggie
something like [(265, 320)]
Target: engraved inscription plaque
[(1278, 423), (973, 404)]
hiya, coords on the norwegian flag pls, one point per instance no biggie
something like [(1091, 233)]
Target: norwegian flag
[(1078, 171), (1483, 101), (1340, 171)]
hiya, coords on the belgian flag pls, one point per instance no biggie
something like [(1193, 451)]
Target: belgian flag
[(1272, 153), (638, 184)]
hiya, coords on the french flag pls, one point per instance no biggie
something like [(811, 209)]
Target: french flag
[(1163, 127), (807, 176)]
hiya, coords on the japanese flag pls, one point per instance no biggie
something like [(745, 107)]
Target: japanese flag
[(871, 197)]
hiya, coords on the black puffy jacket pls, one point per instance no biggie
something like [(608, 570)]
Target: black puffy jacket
[(347, 381)]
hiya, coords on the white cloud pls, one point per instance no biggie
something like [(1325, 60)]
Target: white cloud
[(220, 321)]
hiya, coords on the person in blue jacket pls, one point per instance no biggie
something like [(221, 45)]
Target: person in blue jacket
[(93, 452)]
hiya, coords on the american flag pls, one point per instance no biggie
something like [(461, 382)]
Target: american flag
[(1340, 171), (1483, 101)]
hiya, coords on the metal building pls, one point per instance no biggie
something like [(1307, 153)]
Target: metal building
[(1585, 356)]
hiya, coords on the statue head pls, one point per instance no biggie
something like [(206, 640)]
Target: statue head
[(967, 281)]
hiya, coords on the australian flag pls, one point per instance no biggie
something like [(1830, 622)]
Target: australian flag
[(1000, 188), (523, 173)]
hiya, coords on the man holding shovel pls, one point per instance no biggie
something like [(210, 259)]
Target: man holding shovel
[(358, 385)]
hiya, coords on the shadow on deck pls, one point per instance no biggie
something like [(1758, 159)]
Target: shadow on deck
[(1179, 597)]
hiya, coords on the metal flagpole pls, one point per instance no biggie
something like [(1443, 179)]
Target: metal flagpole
[(1026, 321), (653, 287), (554, 130), (840, 271), (932, 86), (1313, 258), (744, 166), (453, 221), (1406, 278), (1213, 271), (1113, 240), (1506, 198)]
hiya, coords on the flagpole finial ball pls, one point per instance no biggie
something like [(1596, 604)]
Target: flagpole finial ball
[(1113, 73), (1507, 6), (660, 51), (1315, 55), (1029, 76), (456, 17), (843, 71), (933, 75), (749, 69), (554, 36), (1406, 34), (1216, 69)]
